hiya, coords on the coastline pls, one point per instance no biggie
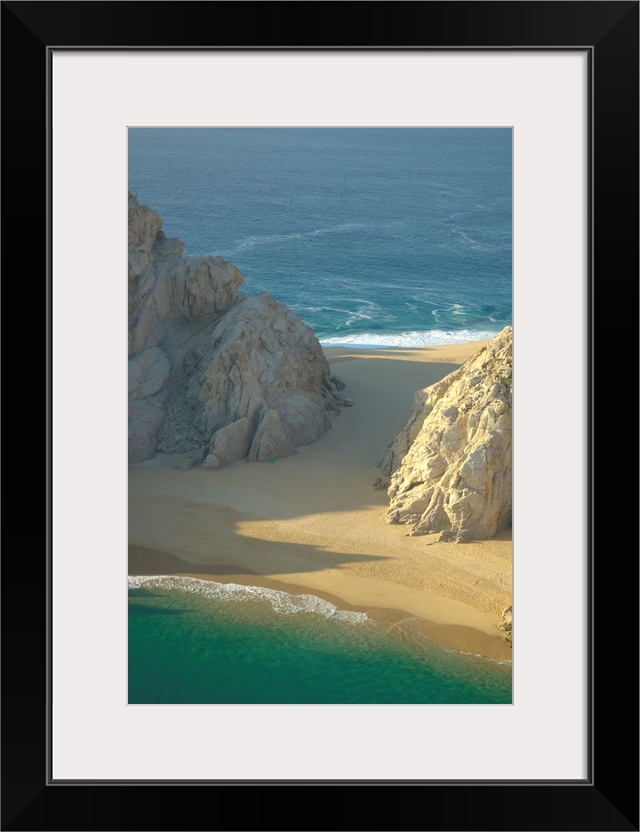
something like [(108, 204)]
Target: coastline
[(313, 523)]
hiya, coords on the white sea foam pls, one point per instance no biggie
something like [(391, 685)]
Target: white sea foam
[(363, 313), (455, 652), (429, 338), (281, 602), (269, 239), (473, 243)]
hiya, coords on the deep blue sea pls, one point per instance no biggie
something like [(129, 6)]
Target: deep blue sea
[(375, 237)]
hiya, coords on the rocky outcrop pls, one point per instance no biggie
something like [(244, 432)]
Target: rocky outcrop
[(212, 372), (506, 625), (449, 468)]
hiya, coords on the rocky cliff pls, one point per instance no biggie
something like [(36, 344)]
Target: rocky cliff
[(449, 468), (212, 372)]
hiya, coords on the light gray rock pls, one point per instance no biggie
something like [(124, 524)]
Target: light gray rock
[(230, 443), (148, 377), (223, 376), (450, 466)]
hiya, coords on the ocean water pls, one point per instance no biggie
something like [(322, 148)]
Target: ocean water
[(392, 237), (200, 642), (375, 237)]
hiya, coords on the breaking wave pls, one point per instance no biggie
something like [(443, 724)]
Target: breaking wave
[(281, 602), (429, 338)]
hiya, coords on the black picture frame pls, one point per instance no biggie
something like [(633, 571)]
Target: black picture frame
[(608, 798)]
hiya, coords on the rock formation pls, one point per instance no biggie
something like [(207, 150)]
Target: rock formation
[(506, 625), (212, 372), (450, 466)]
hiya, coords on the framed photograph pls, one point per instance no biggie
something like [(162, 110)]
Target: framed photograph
[(561, 79)]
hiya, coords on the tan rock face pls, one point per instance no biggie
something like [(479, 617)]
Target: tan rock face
[(450, 466), (506, 624), (225, 376)]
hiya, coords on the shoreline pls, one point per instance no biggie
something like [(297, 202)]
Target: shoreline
[(313, 524), (412, 340), (459, 637)]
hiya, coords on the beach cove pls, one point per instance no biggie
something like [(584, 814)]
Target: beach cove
[(313, 523)]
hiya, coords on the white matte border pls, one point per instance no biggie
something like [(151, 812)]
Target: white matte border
[(96, 95)]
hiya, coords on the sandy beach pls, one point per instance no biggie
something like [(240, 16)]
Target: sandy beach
[(314, 523)]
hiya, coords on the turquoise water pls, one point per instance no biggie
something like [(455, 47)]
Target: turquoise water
[(373, 236), (198, 642)]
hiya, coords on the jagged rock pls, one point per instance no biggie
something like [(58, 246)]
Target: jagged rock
[(450, 466), (225, 376), (265, 386), (506, 624), (230, 443), (166, 288)]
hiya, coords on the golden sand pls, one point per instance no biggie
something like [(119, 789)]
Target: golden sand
[(314, 523)]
